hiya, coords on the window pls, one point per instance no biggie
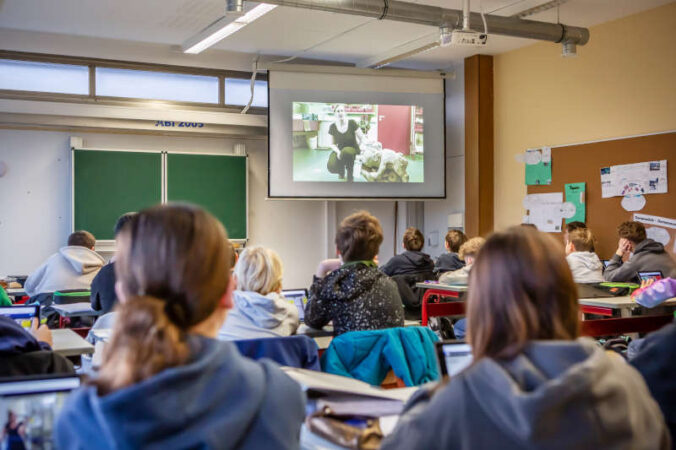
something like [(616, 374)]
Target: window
[(44, 77), (238, 92), (156, 85)]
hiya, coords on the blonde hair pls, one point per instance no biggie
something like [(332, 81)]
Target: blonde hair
[(471, 247), (259, 269), (582, 240)]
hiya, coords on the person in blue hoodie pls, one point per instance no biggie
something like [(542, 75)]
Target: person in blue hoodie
[(260, 308), (533, 384), (24, 353), (165, 381)]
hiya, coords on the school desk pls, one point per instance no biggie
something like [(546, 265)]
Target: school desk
[(608, 306), (439, 290), (68, 343)]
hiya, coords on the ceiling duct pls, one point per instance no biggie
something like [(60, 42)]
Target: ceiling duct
[(442, 17)]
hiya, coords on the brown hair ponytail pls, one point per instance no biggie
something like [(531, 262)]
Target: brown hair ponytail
[(173, 265)]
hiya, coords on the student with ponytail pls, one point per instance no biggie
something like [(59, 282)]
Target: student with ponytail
[(166, 382)]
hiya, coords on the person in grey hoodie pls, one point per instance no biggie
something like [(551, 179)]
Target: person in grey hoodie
[(533, 384), (645, 255), (72, 267), (583, 262), (166, 381), (260, 308)]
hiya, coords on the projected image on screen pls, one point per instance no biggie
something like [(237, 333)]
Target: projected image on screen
[(337, 142)]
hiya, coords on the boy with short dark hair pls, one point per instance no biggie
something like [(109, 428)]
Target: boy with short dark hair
[(72, 267), (646, 255), (351, 291), (583, 262), (449, 262), (412, 261)]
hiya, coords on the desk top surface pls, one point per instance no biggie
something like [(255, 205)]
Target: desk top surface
[(69, 343), (619, 302), (443, 287)]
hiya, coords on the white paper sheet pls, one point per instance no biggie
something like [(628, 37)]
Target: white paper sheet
[(633, 179), (545, 211)]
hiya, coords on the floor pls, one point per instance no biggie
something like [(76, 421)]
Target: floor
[(310, 165)]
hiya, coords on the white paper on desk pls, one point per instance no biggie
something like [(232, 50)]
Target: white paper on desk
[(545, 211), (650, 176)]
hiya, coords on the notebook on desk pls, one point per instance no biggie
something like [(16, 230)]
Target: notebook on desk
[(299, 298)]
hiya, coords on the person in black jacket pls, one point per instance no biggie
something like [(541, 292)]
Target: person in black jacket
[(656, 360), (449, 262), (351, 291), (103, 297), (28, 353), (412, 260)]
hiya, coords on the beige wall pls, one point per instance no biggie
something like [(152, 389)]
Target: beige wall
[(622, 83)]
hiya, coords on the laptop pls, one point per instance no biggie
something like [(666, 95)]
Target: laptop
[(21, 314), (453, 356), (655, 275), (35, 403), (299, 298)]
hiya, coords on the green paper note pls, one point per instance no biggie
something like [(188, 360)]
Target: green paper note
[(575, 194), (538, 166)]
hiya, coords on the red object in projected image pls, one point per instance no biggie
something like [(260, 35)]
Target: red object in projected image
[(394, 127)]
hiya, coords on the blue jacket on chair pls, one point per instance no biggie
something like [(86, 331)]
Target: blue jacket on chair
[(369, 355), (295, 351)]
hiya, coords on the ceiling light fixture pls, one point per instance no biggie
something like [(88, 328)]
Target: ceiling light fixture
[(223, 28), (539, 8), (404, 51)]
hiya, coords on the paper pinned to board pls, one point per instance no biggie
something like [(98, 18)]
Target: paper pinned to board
[(545, 211), (651, 176), (660, 229), (576, 194), (538, 166)]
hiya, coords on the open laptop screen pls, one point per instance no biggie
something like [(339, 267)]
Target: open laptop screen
[(299, 298), (647, 276), (29, 408), (453, 356)]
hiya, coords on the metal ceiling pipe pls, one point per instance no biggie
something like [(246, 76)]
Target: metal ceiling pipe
[(442, 17)]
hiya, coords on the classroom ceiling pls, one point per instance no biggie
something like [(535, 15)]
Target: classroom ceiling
[(289, 31)]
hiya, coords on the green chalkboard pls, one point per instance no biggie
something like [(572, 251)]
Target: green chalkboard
[(216, 182), (107, 184)]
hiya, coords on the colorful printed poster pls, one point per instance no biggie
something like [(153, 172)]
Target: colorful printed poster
[(575, 196), (538, 166), (634, 179)]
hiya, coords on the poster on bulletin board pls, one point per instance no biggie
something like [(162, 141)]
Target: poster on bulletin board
[(575, 196)]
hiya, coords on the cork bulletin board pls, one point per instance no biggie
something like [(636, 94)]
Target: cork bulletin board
[(583, 163)]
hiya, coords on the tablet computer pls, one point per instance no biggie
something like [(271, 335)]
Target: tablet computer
[(299, 298), (605, 263), (453, 356), (21, 314), (647, 276)]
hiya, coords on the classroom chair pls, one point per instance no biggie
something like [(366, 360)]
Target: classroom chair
[(370, 355), (411, 296), (624, 325), (294, 351)]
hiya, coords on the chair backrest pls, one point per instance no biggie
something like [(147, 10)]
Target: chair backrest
[(71, 296), (294, 351), (411, 296), (637, 324)]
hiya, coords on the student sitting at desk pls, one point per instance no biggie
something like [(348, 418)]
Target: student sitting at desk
[(645, 255), (412, 261), (449, 262), (103, 295), (583, 262), (4, 298), (165, 381), (260, 308), (28, 353), (73, 267), (532, 383), (351, 291), (468, 252)]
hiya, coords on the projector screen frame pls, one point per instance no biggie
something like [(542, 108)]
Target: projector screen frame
[(353, 197)]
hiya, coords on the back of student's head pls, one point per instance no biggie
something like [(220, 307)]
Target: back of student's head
[(471, 247), (454, 239), (259, 270), (82, 238), (122, 221), (582, 240), (359, 237), (520, 289), (575, 225), (173, 271), (632, 231), (413, 239)]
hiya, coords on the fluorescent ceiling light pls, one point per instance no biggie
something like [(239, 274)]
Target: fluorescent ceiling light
[(223, 28), (411, 48)]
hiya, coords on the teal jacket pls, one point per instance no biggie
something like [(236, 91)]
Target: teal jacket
[(369, 355)]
